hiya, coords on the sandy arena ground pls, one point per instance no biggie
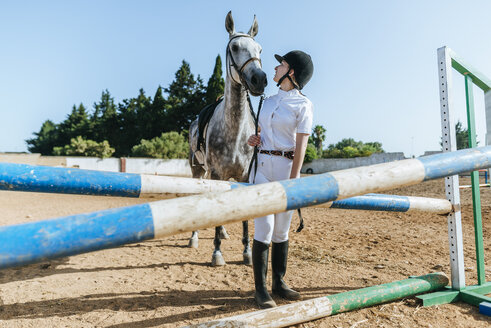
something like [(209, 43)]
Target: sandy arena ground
[(162, 283)]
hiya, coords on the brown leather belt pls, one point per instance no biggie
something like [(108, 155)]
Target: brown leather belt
[(287, 154)]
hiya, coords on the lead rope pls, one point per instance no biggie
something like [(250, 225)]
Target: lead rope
[(256, 124), (300, 225), (256, 149)]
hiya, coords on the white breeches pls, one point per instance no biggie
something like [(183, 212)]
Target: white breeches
[(273, 227)]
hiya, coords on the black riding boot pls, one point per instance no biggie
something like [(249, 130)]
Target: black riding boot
[(279, 255), (260, 267)]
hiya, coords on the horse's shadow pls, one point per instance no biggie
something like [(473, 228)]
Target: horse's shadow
[(46, 269), (55, 266)]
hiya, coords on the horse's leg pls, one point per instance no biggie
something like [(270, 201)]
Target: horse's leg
[(247, 254), (223, 233), (197, 172), (193, 241), (217, 258)]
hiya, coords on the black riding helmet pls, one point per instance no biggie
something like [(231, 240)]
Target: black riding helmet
[(302, 66)]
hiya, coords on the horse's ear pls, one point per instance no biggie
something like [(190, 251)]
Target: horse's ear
[(229, 23), (254, 28)]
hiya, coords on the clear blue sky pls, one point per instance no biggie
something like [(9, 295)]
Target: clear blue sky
[(375, 61)]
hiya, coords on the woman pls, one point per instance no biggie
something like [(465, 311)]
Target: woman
[(285, 123)]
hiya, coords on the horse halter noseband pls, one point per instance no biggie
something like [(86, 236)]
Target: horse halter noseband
[(240, 71)]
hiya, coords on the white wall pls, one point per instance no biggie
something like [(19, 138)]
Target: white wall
[(334, 164), (172, 167)]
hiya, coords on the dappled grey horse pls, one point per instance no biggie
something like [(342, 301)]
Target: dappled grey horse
[(225, 154)]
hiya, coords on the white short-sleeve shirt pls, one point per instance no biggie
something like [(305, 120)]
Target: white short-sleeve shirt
[(282, 117)]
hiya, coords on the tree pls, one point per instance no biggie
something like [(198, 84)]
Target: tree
[(81, 147), (157, 113), (318, 136), (216, 84), (169, 145), (124, 125), (348, 148), (44, 140), (186, 98), (461, 135), (105, 125), (133, 114), (310, 153), (76, 124)]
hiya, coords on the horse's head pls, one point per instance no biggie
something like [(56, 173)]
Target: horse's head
[(243, 58)]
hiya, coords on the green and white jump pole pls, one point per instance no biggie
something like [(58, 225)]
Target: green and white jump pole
[(38, 241), (298, 312)]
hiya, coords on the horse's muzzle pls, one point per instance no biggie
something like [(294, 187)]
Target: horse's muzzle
[(257, 82)]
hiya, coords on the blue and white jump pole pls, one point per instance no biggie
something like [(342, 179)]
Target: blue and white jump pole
[(20, 177), (392, 203), (32, 242)]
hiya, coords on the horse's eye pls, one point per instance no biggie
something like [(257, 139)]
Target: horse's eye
[(235, 48)]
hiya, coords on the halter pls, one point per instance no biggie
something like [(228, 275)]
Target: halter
[(234, 64)]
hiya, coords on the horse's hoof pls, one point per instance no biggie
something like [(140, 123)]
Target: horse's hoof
[(193, 243), (217, 260), (247, 255), (223, 234)]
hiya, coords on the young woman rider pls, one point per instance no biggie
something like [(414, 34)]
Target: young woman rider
[(285, 124)]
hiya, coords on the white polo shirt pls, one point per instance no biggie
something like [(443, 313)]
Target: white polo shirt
[(282, 117)]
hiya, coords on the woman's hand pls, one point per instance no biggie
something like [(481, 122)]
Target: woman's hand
[(254, 140)]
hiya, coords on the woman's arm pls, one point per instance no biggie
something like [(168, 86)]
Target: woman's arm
[(300, 147)]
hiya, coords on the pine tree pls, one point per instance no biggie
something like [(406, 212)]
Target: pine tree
[(186, 97), (157, 114), (142, 106), (104, 119), (132, 117), (128, 118), (216, 83), (45, 140), (76, 124)]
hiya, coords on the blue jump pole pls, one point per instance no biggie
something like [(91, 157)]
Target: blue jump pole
[(33, 242)]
